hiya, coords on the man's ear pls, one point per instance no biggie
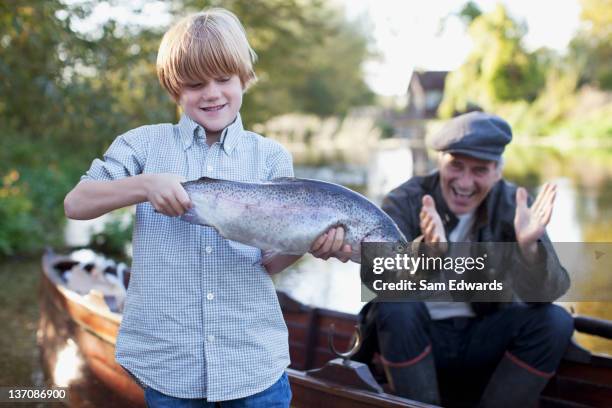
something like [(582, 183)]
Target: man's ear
[(498, 172), (440, 158)]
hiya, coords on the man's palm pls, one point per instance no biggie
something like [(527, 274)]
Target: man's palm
[(530, 223)]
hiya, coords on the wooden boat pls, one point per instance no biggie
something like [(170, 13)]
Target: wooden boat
[(583, 380)]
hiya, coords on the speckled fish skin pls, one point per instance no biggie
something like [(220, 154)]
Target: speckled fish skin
[(287, 215)]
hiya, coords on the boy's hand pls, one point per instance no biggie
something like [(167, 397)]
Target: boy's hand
[(331, 244), (166, 194)]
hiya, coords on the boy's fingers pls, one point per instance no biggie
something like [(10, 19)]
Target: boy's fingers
[(180, 204), (183, 199), (164, 207), (323, 250), (329, 241), (174, 206), (318, 242), (338, 239)]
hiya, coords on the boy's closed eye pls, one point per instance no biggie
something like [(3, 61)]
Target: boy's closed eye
[(197, 85)]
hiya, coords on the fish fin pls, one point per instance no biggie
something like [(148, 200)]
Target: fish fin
[(285, 179), (201, 179), (205, 178)]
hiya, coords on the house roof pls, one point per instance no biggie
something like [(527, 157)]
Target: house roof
[(430, 80)]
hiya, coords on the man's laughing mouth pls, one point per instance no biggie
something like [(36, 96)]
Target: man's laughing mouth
[(463, 196)]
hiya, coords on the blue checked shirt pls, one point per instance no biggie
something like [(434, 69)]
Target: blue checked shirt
[(202, 318)]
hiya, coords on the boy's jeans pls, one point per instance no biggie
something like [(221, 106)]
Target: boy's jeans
[(276, 396)]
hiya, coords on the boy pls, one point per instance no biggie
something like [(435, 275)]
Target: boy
[(202, 320)]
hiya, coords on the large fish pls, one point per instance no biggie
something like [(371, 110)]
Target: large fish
[(286, 215)]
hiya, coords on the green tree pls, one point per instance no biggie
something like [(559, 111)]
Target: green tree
[(309, 56), (591, 49), (66, 94), (469, 12), (498, 70)]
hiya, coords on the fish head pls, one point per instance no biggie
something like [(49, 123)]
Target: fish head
[(384, 240), (379, 245), (386, 230)]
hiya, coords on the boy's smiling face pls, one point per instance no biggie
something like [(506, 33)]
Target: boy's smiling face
[(213, 103)]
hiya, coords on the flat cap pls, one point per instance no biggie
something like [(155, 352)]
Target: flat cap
[(475, 134)]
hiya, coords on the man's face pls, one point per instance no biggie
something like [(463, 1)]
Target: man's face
[(465, 181), (214, 103)]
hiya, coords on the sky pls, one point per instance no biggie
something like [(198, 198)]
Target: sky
[(406, 33)]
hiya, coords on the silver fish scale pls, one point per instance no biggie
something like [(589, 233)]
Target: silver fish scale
[(287, 215)]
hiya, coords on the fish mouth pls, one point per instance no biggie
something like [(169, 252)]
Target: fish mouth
[(214, 108)]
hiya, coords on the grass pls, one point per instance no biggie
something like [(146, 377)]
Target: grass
[(19, 287)]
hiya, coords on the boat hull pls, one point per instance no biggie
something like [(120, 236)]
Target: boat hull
[(82, 322)]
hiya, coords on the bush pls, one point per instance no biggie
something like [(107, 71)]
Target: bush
[(115, 237), (18, 230)]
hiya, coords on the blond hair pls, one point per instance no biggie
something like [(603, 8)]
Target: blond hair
[(204, 46)]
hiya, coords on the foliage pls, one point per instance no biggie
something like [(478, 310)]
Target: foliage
[(114, 237), (591, 49), (309, 57), (598, 122), (16, 212), (498, 70), (469, 12), (66, 94), (539, 92), (19, 313)]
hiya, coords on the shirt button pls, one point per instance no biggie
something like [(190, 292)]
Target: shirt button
[(210, 338), (210, 296), (208, 250), (209, 168)]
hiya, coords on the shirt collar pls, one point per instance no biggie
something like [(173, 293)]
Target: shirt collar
[(191, 130)]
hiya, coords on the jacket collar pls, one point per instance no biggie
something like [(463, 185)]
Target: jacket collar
[(191, 130)]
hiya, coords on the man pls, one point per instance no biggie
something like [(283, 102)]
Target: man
[(501, 354)]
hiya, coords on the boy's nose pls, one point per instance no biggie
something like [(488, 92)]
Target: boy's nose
[(211, 92)]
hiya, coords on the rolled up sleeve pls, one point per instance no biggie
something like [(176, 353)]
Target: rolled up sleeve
[(124, 158)]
